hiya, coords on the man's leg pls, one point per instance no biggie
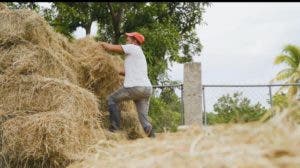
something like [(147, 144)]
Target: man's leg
[(142, 109), (114, 112), (142, 106)]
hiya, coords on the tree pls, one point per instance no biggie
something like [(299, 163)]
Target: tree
[(235, 109), (291, 74), (169, 27)]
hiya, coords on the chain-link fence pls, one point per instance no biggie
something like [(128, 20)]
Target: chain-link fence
[(262, 94), (171, 97)]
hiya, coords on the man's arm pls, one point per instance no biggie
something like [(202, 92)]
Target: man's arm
[(113, 48)]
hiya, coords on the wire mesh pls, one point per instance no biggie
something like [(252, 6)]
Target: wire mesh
[(262, 94), (257, 94)]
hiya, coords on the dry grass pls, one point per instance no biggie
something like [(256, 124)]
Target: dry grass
[(271, 144)]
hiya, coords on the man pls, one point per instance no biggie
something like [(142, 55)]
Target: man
[(137, 86)]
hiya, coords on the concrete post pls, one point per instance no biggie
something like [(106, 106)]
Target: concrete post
[(192, 94)]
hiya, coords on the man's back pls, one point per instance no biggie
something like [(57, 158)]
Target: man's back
[(136, 72)]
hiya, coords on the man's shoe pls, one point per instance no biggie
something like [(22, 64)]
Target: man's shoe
[(113, 127), (150, 132), (114, 117)]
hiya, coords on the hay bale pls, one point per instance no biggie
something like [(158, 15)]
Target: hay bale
[(3, 6), (45, 122), (22, 57), (26, 25), (32, 27), (103, 79)]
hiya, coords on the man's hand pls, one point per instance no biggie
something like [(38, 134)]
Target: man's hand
[(111, 47), (122, 72), (103, 44)]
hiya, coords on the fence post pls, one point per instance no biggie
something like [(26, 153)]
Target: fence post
[(270, 93), (182, 108), (204, 110), (192, 95)]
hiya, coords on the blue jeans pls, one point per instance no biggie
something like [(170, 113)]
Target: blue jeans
[(141, 97)]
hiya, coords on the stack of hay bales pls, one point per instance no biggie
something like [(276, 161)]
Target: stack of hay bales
[(47, 116)]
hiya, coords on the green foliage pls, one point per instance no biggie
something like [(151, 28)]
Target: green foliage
[(280, 100), (165, 109), (291, 58), (160, 38), (213, 118), (168, 27), (235, 109), (162, 116)]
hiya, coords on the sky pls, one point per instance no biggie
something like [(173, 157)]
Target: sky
[(240, 42)]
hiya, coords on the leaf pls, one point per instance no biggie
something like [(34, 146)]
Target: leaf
[(283, 74), (292, 91)]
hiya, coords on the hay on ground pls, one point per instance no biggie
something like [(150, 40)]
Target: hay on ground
[(252, 145)]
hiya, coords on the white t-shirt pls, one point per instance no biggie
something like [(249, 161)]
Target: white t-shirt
[(135, 64)]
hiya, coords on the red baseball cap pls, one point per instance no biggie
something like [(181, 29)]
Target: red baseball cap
[(138, 36)]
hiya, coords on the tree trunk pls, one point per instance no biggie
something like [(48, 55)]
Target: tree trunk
[(116, 38), (87, 28), (116, 22)]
